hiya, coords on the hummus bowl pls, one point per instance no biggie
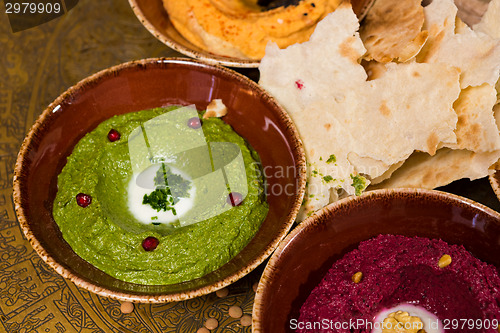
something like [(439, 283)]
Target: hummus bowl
[(141, 85), (154, 17), (306, 255)]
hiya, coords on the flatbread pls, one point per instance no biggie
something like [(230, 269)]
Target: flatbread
[(387, 174), (368, 126), (496, 113), (392, 30), (478, 140), (476, 54), (471, 11), (374, 69), (424, 171), (476, 128), (392, 121), (490, 22), (490, 25), (497, 88)]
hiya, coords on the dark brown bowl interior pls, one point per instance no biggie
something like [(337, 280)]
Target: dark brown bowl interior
[(155, 19), (305, 256), (142, 85)]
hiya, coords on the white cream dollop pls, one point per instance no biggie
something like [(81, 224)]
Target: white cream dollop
[(145, 213)]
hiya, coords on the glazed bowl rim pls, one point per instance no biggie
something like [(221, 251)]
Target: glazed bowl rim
[(297, 151), (206, 56)]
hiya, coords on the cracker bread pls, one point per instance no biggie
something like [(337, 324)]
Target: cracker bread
[(424, 171), (490, 22), (338, 112), (477, 55), (392, 30), (476, 128)]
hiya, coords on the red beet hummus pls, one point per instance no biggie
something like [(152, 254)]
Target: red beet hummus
[(401, 270)]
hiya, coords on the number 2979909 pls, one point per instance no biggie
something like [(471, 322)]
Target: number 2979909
[(33, 8)]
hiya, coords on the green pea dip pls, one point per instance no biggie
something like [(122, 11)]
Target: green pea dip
[(109, 236)]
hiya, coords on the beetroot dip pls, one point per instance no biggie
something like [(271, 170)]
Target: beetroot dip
[(398, 269)]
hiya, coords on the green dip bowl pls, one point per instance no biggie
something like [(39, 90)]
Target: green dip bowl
[(141, 85)]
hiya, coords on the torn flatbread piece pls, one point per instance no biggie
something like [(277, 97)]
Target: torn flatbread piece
[(354, 130), (374, 69), (476, 128), (478, 140), (477, 55), (392, 30), (424, 171), (490, 22), (490, 25)]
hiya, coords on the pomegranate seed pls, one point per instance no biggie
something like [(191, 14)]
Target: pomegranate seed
[(234, 199), (194, 122), (83, 200), (113, 135), (299, 84), (150, 243)]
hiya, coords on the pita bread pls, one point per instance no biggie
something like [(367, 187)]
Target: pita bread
[(392, 30), (490, 25), (424, 122), (490, 22), (471, 11), (496, 113), (357, 111), (476, 128), (497, 88), (460, 26), (374, 69), (476, 54), (387, 174), (424, 171), (478, 139)]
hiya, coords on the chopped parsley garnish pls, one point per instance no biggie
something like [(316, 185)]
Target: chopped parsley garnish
[(162, 197), (359, 184), (327, 178), (331, 159)]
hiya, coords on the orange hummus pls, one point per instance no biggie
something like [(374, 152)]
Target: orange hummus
[(242, 28)]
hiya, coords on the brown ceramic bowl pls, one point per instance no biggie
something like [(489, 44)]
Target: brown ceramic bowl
[(141, 85), (308, 252), (154, 17)]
